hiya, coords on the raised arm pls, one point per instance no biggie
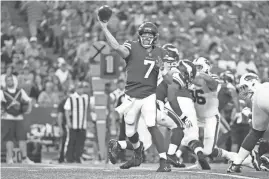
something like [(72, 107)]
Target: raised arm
[(122, 50)]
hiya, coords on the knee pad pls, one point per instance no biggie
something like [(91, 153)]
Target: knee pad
[(177, 136)]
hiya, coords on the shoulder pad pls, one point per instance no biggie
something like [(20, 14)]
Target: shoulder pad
[(178, 79)]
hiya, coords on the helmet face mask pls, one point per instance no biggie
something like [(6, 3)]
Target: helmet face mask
[(146, 40), (247, 85), (188, 70), (202, 65), (172, 58), (148, 34)]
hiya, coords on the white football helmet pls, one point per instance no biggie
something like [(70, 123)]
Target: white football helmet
[(247, 85), (202, 65)]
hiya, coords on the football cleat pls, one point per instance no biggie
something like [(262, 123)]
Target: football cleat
[(113, 150), (137, 158), (203, 162), (173, 160), (264, 163), (164, 166), (234, 168), (255, 159)]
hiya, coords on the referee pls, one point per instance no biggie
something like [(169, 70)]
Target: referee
[(76, 109)]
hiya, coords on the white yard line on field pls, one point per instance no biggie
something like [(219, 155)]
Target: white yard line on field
[(218, 174)]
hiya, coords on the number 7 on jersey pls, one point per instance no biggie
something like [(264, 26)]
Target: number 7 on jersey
[(151, 66)]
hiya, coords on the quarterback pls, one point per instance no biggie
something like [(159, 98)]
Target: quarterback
[(251, 88), (143, 63)]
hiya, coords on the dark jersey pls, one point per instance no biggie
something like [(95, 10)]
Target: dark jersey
[(224, 96), (61, 110), (162, 90), (142, 70)]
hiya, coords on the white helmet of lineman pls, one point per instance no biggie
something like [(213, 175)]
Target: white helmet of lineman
[(247, 85), (202, 65)]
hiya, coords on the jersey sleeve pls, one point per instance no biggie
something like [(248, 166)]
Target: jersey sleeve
[(2, 96), (128, 45), (24, 96), (67, 105), (178, 79)]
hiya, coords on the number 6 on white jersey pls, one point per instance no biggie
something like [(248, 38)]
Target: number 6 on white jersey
[(151, 63)]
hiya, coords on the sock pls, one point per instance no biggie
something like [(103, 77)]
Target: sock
[(177, 136), (196, 146), (129, 145), (248, 162), (242, 154), (157, 139), (178, 153), (218, 152), (172, 149), (163, 155), (135, 140), (123, 144), (136, 145), (251, 139)]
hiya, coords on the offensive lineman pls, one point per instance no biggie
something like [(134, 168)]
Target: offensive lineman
[(250, 88), (143, 63)]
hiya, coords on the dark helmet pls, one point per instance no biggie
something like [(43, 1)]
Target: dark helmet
[(148, 28), (172, 58), (227, 77), (188, 70)]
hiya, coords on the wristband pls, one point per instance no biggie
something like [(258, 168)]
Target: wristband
[(183, 117)]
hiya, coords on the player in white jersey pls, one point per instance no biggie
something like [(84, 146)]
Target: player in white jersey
[(252, 89), (205, 96)]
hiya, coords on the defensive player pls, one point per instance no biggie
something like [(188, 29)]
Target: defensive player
[(205, 97), (251, 88), (143, 60)]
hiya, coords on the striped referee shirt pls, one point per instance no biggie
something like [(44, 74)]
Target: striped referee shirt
[(78, 106)]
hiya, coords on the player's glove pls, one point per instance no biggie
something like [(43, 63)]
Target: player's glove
[(186, 121), (247, 112), (162, 66)]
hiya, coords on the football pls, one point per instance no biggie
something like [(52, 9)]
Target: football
[(104, 13)]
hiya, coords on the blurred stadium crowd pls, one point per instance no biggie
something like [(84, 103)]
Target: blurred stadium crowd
[(52, 51)]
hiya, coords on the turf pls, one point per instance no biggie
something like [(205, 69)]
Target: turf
[(147, 171)]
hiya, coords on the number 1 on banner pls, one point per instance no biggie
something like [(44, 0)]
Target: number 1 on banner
[(109, 64)]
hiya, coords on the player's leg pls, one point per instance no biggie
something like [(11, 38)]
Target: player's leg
[(149, 113), (21, 136), (169, 120), (7, 130), (259, 126), (211, 131), (224, 132), (131, 118)]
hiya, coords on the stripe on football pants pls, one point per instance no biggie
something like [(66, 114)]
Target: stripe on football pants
[(175, 118), (216, 131)]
